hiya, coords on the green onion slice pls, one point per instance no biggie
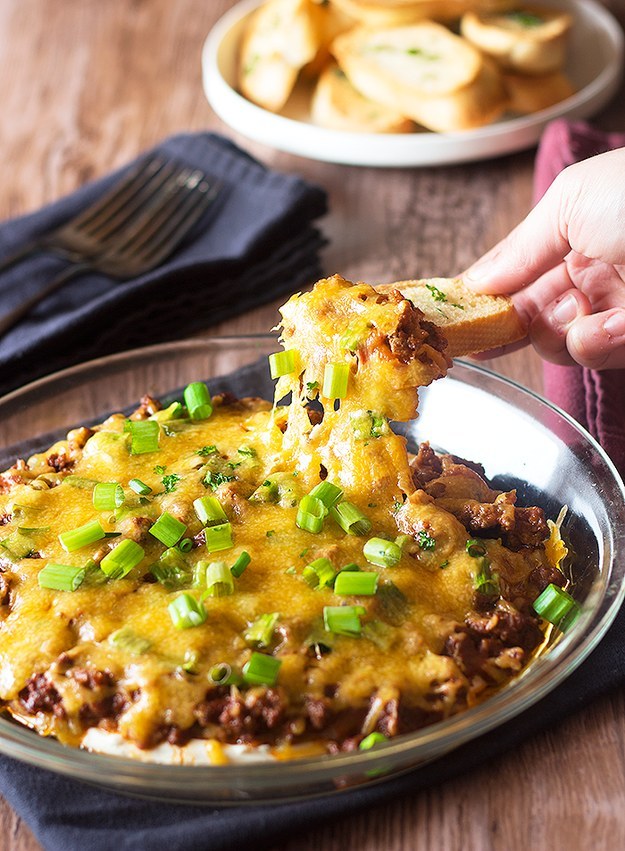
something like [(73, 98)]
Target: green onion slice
[(319, 573), (61, 577), (260, 633), (209, 510), (557, 606), (371, 741), (139, 487), (486, 582), (381, 552), (261, 669), (282, 363), (219, 580), (143, 436), (240, 564), (335, 380), (185, 612), (476, 549), (168, 530), (222, 674), (198, 400), (186, 545), (343, 620), (218, 537), (351, 583), (171, 570), (350, 518), (121, 560), (129, 641), (18, 544), (328, 493), (107, 496), (82, 536), (311, 513)]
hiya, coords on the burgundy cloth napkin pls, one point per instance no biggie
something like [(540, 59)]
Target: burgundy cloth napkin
[(594, 399)]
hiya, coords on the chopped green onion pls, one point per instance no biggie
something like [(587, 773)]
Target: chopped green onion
[(319, 573), (172, 412), (335, 380), (328, 493), (186, 545), (159, 469), (485, 581), (171, 570), (121, 560), (350, 518), (240, 564), (206, 450), (557, 606), (222, 674), (282, 363), (143, 436), (189, 664), (80, 482), (381, 552), (352, 583), (168, 530), (425, 540), (17, 544), (218, 537), (267, 492), (61, 577), (475, 548), (199, 574), (209, 510), (128, 640), (30, 530), (185, 612), (107, 496), (367, 425), (219, 580), (310, 514), (343, 620), (80, 537), (371, 741), (261, 669), (260, 633), (391, 603), (248, 451), (139, 487), (198, 400)]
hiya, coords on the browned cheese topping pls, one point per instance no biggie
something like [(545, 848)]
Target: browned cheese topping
[(448, 623)]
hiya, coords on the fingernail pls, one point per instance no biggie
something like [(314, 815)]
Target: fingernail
[(565, 311), (614, 326)]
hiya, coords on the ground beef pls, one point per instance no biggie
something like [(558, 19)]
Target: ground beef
[(544, 575), (111, 706), (425, 466), (242, 716), (517, 527), (92, 678), (59, 461), (135, 528), (147, 407), (318, 712), (413, 331), (40, 695)]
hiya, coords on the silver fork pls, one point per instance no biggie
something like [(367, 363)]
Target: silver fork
[(89, 232), (157, 227)]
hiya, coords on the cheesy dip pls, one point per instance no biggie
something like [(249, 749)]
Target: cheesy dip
[(282, 577)]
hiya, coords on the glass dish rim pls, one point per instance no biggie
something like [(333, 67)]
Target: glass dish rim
[(543, 675)]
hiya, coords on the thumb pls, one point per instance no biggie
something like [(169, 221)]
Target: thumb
[(534, 247)]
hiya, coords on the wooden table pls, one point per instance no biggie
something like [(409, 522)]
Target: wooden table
[(86, 86)]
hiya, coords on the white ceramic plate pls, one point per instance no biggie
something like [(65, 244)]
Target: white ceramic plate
[(595, 67)]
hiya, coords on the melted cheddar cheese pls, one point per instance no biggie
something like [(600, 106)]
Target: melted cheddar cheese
[(107, 655)]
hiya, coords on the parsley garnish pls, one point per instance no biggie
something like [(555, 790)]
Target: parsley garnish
[(311, 386), (170, 482), (437, 295), (213, 480), (160, 469), (270, 533), (206, 450), (524, 19), (425, 540)]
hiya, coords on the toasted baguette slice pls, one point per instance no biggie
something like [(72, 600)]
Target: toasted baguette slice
[(281, 37), (338, 105), (424, 72), (393, 13), (531, 40), (471, 322), (424, 59), (528, 93)]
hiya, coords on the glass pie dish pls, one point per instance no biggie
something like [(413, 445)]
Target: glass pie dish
[(522, 441)]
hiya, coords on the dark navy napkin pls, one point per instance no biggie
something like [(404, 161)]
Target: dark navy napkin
[(255, 244)]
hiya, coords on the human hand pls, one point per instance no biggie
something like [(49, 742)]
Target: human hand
[(564, 266)]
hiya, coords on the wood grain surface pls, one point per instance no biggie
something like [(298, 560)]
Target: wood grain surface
[(86, 85)]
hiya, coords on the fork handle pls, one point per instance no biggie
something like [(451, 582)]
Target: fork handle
[(13, 317), (28, 248)]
